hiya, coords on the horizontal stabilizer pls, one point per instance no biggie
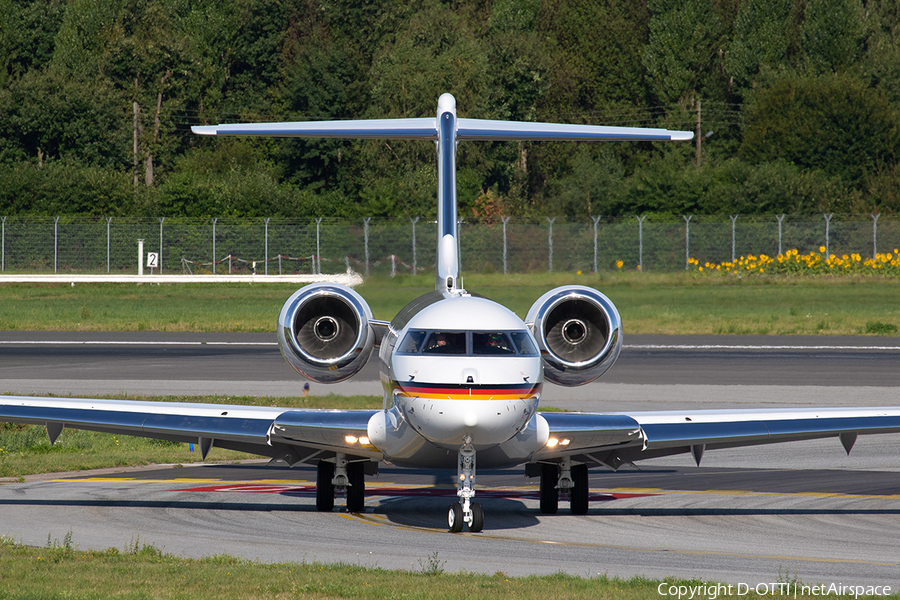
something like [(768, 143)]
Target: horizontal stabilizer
[(404, 129), (478, 129), (426, 129)]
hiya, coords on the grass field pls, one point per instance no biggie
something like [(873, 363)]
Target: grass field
[(681, 303), (138, 571)]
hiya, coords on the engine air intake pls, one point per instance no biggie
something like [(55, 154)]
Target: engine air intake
[(578, 331), (324, 332)]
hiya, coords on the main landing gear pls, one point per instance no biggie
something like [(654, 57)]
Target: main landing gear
[(337, 477), (564, 478), (465, 511)]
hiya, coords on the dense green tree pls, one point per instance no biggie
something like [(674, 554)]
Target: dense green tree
[(832, 33), (48, 114), (761, 33), (685, 45), (835, 124), (802, 96)]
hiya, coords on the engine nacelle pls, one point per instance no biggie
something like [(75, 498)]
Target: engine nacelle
[(578, 331), (324, 332)]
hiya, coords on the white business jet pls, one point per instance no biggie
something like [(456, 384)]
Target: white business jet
[(462, 375)]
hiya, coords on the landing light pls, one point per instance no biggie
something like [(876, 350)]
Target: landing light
[(352, 439), (554, 442)]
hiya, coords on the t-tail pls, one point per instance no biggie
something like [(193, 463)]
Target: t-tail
[(447, 130)]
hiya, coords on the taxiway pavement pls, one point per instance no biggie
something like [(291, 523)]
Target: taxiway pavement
[(746, 516)]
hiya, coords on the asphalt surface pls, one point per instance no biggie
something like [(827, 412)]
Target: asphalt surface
[(745, 516)]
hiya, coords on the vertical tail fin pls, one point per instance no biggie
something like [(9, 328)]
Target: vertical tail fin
[(446, 130)]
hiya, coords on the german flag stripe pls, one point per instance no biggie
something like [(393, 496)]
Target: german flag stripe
[(472, 392)]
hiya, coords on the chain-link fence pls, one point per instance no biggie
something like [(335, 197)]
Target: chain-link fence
[(504, 245)]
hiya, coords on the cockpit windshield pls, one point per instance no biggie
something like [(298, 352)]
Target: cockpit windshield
[(491, 344), (446, 342), (472, 343)]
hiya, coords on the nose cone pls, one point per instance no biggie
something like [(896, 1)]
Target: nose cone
[(470, 418)]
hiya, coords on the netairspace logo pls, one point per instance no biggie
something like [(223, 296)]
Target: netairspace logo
[(711, 591)]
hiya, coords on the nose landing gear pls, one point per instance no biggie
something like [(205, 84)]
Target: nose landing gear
[(465, 511)]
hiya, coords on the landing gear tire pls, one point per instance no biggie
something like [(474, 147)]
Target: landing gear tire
[(578, 495), (324, 486), (356, 491), (455, 517), (477, 523), (549, 493)]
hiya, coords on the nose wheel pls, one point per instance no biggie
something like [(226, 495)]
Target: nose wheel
[(465, 511)]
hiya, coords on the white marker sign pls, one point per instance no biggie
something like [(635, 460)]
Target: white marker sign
[(153, 260)]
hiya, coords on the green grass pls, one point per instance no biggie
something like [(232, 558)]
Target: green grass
[(679, 303), (138, 571)]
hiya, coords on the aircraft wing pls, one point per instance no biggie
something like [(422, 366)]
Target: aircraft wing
[(664, 433), (292, 435)]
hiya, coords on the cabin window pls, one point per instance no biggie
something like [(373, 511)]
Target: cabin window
[(446, 342), (491, 343), (412, 343), (523, 343)]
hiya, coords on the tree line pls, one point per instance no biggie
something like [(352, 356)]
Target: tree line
[(795, 103)]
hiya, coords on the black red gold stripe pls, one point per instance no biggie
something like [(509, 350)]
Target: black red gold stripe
[(412, 389)]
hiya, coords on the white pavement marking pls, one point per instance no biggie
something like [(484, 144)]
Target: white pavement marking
[(350, 279)]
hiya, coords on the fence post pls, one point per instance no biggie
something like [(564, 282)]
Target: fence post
[(733, 219), (108, 221), (229, 264), (161, 220), (415, 264), (505, 221), (393, 265), (780, 221), (279, 264), (595, 220), (550, 245), (141, 258), (317, 263), (55, 242), (827, 224), (875, 235), (267, 244), (214, 245), (687, 240), (3, 249), (366, 232), (641, 242)]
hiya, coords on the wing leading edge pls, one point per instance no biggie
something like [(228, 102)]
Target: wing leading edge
[(665, 433), (610, 439), (292, 435)]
